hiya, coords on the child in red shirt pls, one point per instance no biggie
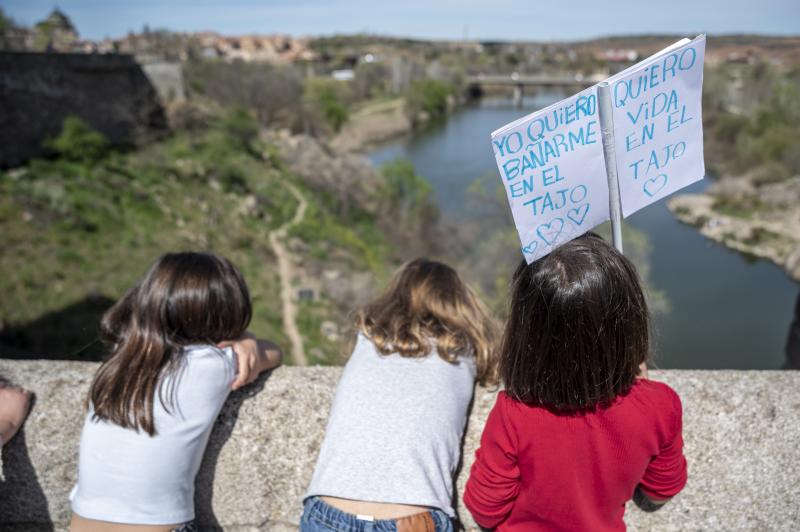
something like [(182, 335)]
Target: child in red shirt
[(578, 431)]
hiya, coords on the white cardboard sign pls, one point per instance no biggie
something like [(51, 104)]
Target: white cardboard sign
[(658, 126), (552, 165)]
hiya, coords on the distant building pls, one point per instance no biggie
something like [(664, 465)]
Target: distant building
[(343, 75), (56, 33), (616, 55)]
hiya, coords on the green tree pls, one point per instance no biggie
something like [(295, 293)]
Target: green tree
[(330, 98), (78, 142), (407, 192), (6, 22), (429, 96)]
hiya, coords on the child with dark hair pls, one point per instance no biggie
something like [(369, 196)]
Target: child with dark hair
[(579, 430), (178, 343)]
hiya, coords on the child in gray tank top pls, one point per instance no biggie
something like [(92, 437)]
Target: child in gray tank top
[(393, 439)]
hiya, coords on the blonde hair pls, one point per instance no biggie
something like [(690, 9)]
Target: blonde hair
[(427, 306)]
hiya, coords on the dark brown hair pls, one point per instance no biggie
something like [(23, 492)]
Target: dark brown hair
[(185, 298), (577, 329), (427, 306)]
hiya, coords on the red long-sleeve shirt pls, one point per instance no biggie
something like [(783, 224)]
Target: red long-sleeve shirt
[(536, 470)]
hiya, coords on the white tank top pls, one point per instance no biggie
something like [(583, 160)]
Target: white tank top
[(395, 427), (129, 477)]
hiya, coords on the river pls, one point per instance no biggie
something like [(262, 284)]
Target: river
[(726, 311)]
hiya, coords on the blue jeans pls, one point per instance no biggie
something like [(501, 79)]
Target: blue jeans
[(319, 516)]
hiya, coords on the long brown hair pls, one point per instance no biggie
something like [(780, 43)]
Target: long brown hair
[(185, 298), (427, 306), (577, 329)]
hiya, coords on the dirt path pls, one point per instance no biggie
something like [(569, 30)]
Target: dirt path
[(286, 272)]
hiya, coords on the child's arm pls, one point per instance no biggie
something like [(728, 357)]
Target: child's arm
[(493, 484), (14, 406), (645, 503), (666, 474), (253, 355)]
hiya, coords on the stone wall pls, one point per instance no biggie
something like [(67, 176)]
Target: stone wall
[(38, 90), (167, 79), (741, 430)]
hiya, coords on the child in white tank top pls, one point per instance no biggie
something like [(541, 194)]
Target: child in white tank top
[(176, 341), (394, 433)]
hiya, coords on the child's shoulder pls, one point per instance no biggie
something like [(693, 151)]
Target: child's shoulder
[(204, 358), (658, 402), (656, 392), (207, 352), (656, 396), (511, 407), (204, 371)]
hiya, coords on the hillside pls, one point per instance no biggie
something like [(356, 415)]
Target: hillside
[(752, 123), (80, 227)]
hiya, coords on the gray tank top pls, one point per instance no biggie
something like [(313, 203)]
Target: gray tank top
[(395, 427)]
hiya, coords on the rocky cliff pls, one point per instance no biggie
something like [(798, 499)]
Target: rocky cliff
[(38, 90)]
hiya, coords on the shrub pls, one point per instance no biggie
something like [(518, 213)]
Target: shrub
[(188, 116), (770, 145), (737, 206), (330, 98), (771, 172), (429, 96), (240, 127), (409, 202), (371, 80), (728, 127), (403, 187), (273, 93), (78, 142)]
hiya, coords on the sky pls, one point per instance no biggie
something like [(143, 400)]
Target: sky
[(432, 19)]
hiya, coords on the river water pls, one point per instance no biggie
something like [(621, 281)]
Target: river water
[(725, 310)]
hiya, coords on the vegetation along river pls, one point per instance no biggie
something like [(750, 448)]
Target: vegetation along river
[(724, 310)]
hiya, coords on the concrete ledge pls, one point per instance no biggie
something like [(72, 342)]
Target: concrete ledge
[(741, 430)]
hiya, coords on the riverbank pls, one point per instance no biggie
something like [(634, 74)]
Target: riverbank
[(377, 122), (762, 221), (372, 125)]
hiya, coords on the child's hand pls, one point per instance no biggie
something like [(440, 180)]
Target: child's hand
[(14, 405), (252, 357)]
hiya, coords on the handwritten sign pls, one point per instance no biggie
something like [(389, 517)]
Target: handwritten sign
[(658, 125), (552, 164), (552, 168)]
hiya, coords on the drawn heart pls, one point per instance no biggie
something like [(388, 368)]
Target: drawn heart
[(578, 214), (530, 248), (550, 231), (654, 185)]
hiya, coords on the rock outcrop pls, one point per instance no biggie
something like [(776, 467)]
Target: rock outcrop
[(762, 221)]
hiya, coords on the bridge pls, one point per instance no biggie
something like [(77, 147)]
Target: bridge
[(519, 81)]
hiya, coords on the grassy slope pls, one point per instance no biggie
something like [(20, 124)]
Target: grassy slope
[(72, 231)]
